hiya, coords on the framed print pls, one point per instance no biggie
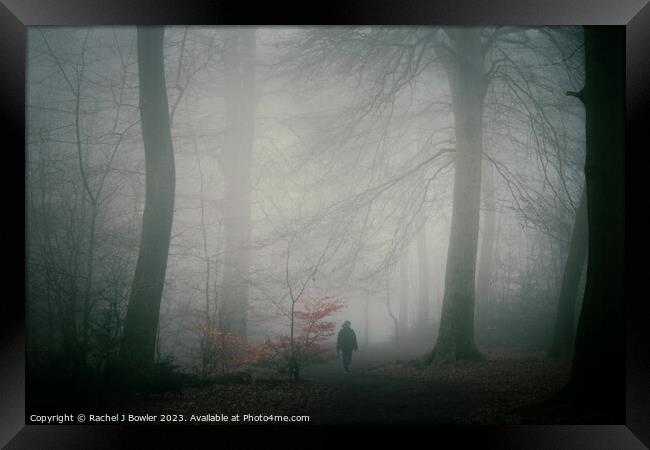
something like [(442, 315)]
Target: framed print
[(361, 214)]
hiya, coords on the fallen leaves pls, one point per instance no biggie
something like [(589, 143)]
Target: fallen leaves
[(497, 390)]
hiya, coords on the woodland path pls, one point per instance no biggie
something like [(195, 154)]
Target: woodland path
[(368, 395), (385, 389), (380, 390)]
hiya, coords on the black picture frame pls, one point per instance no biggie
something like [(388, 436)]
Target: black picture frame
[(16, 15)]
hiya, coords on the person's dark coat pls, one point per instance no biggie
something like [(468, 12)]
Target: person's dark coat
[(347, 340)]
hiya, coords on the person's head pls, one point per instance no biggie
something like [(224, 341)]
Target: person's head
[(346, 324)]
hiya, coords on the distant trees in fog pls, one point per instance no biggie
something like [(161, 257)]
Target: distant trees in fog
[(211, 179)]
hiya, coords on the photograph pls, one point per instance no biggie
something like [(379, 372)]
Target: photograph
[(325, 224), (312, 223)]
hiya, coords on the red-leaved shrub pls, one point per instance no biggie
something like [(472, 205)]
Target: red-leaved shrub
[(289, 353)]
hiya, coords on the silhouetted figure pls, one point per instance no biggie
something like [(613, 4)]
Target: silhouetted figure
[(346, 343)]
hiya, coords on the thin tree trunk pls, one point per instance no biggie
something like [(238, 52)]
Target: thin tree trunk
[(236, 161), (562, 344), (293, 367), (68, 319), (90, 271), (467, 84), (204, 240), (390, 313), (366, 326), (404, 296), (141, 323), (422, 323)]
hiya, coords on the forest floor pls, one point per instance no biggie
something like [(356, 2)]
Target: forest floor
[(504, 388)]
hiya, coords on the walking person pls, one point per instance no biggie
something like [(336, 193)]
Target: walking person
[(346, 343)]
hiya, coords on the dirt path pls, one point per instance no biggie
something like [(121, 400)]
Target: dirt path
[(365, 395), (380, 389)]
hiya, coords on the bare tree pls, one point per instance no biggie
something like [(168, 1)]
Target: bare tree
[(396, 336), (236, 160), (467, 80), (95, 134), (141, 324), (598, 373)]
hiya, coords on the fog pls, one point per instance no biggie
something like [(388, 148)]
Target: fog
[(309, 164)]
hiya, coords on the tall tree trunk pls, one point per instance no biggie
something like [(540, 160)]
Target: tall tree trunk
[(562, 344), (598, 372), (486, 249), (404, 297), (141, 323), (488, 232), (467, 85), (236, 161)]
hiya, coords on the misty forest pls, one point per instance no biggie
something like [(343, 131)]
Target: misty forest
[(207, 206)]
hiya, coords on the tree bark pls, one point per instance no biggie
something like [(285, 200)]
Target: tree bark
[(598, 372), (141, 324), (562, 344), (467, 84), (488, 232), (236, 161)]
